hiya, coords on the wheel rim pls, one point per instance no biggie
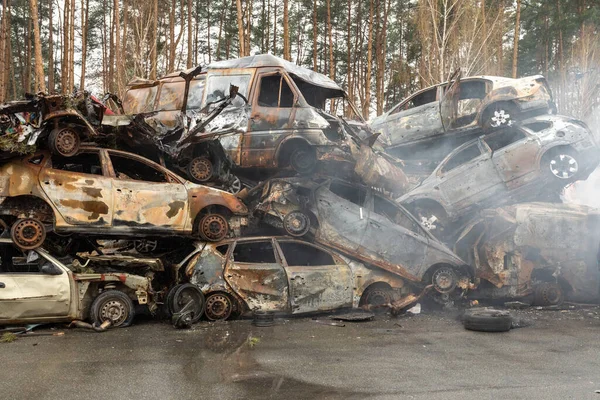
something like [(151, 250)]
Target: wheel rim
[(186, 296), (378, 297), (429, 221), (501, 118), (28, 233), (551, 294), (214, 227), (114, 311), (444, 280), (201, 169), (145, 246), (296, 223), (218, 307), (235, 186), (67, 142), (302, 160), (563, 166)]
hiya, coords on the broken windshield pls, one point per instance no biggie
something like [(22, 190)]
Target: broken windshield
[(138, 101), (217, 88)]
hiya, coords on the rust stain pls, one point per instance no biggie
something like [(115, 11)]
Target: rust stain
[(174, 208), (93, 192), (94, 207)]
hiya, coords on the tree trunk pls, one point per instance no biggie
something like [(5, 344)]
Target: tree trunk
[(349, 54), (223, 14), (275, 27), (207, 30), (190, 32), (172, 47), (64, 67), (367, 101), (40, 79), (287, 53), (84, 33), (240, 23), (51, 85), (248, 27), (4, 60), (315, 34), (124, 55), (118, 59), (516, 40), (154, 41)]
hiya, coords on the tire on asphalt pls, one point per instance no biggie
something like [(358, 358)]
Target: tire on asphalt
[(189, 293), (487, 320), (115, 306)]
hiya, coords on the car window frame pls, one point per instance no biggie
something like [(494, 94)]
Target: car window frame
[(230, 258), (42, 253), (283, 260), (423, 231), (483, 148), (172, 178), (284, 77), (519, 129), (47, 163)]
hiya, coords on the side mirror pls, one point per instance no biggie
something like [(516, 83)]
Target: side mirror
[(51, 269)]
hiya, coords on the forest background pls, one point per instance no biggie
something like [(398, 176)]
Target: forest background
[(380, 51)]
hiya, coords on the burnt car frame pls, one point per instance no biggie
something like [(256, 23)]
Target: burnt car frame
[(284, 275), (102, 192), (538, 252), (435, 120), (35, 287), (365, 225), (61, 121), (522, 162)]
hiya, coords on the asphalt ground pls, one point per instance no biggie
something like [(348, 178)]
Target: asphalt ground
[(555, 355)]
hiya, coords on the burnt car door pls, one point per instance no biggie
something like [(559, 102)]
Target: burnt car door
[(469, 176), (393, 236), (271, 118), (79, 187), (342, 216), (449, 102), (146, 195), (318, 281), (514, 153), (32, 286), (254, 271), (415, 119)]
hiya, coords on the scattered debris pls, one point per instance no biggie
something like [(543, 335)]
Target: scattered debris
[(354, 316)]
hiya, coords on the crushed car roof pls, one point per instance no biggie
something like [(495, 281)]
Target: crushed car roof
[(268, 60)]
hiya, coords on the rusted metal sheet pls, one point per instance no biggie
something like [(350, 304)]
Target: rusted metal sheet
[(518, 247)]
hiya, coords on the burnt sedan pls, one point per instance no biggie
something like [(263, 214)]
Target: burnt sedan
[(365, 225), (284, 275), (517, 163), (108, 192)]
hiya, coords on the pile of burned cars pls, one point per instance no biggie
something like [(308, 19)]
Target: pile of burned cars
[(497, 142)]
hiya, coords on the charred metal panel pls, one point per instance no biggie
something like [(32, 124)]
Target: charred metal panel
[(320, 288), (263, 286)]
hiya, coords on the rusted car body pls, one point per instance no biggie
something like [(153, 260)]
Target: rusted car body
[(37, 288), (63, 121), (364, 225), (437, 119), (103, 192), (284, 275), (545, 251), (517, 163), (252, 114)]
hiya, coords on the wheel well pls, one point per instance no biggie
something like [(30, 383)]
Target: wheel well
[(72, 120), (287, 148), (546, 275), (555, 148), (488, 109), (426, 204), (376, 285), (430, 271), (33, 205), (211, 209)]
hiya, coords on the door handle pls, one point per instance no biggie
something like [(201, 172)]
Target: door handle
[(2, 285), (118, 190)]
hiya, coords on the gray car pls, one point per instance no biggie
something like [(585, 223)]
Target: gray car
[(517, 163)]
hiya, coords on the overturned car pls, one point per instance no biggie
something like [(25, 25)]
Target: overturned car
[(543, 253)]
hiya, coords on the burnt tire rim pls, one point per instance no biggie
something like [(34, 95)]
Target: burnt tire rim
[(114, 311), (563, 166), (296, 223), (186, 296), (500, 118), (551, 294), (214, 227), (145, 246), (378, 297), (28, 233), (444, 280), (218, 307), (67, 142), (201, 169), (303, 160), (235, 186)]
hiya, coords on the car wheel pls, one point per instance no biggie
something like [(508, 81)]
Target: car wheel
[(64, 142), (235, 185), (114, 306), (487, 320), (145, 246), (213, 227), (432, 218), (444, 280), (377, 297), (499, 115), (303, 160), (188, 298), (561, 165), (296, 223), (28, 233), (548, 294), (170, 297), (218, 307), (200, 169)]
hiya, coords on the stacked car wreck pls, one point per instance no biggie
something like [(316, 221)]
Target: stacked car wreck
[(237, 189)]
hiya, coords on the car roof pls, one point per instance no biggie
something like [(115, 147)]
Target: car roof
[(268, 60)]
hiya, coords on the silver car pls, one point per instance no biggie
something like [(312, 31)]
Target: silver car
[(517, 163)]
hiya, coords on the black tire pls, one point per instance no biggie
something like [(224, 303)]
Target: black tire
[(560, 165), (296, 223), (303, 160), (170, 297), (548, 294), (64, 142), (189, 293), (115, 306), (487, 320)]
